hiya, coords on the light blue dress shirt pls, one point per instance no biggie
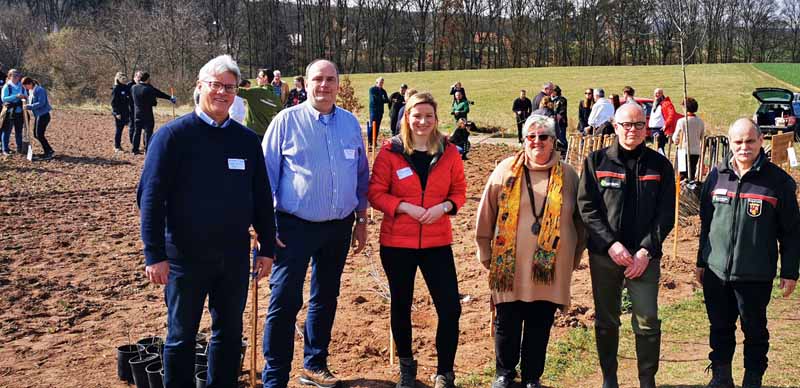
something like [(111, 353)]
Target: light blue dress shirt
[(317, 164), (208, 120)]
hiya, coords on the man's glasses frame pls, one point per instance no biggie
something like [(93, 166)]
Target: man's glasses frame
[(217, 86)]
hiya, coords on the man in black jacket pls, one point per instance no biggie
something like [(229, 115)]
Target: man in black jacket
[(522, 109), (748, 212), (144, 99), (626, 197), (132, 126), (397, 100)]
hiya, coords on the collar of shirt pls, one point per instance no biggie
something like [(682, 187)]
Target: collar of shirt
[(324, 118), (208, 120)]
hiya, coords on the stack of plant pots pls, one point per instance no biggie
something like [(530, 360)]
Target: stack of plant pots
[(140, 363)]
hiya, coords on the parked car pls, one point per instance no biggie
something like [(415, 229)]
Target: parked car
[(647, 105), (777, 111)]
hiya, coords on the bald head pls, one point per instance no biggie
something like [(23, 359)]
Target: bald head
[(745, 140), (629, 113), (743, 127), (630, 126)]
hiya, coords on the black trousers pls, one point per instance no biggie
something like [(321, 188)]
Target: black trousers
[(727, 301), (142, 126), (40, 127), (692, 167), (530, 324), (119, 124), (520, 121), (439, 271)]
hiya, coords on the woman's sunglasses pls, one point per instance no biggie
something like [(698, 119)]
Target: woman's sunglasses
[(542, 137)]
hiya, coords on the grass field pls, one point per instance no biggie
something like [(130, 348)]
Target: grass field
[(787, 72), (724, 92)]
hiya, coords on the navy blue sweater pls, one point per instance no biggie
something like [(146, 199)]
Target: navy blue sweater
[(201, 189)]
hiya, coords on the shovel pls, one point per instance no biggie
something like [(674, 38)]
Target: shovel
[(26, 135)]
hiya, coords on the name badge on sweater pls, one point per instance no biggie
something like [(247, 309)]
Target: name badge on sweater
[(404, 172), (235, 164), (349, 153)]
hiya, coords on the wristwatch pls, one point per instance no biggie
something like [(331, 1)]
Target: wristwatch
[(361, 220)]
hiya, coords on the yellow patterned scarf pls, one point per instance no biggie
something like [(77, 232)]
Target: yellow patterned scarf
[(501, 270)]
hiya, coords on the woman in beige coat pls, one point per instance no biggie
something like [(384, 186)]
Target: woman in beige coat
[(530, 251)]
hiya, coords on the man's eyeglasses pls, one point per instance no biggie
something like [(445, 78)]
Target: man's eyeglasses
[(217, 86), (541, 136), (639, 125)]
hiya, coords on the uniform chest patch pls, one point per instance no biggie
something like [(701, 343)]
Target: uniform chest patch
[(754, 207), (611, 183)]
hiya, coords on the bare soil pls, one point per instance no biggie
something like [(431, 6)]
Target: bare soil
[(72, 284)]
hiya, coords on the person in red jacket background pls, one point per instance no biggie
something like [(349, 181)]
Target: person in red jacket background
[(418, 183)]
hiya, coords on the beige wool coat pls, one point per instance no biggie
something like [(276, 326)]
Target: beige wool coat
[(572, 234)]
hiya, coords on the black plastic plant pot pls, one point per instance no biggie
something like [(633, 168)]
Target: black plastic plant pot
[(138, 365), (200, 339), (154, 349), (201, 359), (124, 354), (146, 342), (154, 377), (200, 379)]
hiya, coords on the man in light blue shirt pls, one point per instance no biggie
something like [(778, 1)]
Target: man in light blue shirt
[(318, 173)]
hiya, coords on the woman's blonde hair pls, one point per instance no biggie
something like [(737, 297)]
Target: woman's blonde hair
[(435, 138), (118, 78)]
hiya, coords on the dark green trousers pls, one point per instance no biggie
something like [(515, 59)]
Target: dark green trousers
[(608, 279)]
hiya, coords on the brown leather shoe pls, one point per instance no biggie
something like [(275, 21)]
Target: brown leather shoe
[(322, 378)]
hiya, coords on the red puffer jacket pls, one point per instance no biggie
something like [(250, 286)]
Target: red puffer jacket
[(394, 180)]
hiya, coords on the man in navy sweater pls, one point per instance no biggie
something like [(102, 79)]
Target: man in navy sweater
[(203, 184)]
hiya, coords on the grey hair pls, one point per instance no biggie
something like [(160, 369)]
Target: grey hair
[(276, 72), (314, 62), (219, 65), (546, 124), (599, 92), (379, 79), (548, 84)]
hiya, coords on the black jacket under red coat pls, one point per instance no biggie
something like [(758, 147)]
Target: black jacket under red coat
[(601, 198)]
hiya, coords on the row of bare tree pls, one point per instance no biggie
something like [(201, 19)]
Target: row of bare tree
[(77, 45)]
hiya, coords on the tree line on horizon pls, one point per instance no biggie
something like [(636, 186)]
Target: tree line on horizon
[(76, 46)]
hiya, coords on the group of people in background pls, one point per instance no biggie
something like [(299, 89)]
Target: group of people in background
[(664, 123), (307, 188), (549, 103), (378, 97), (20, 94), (132, 104)]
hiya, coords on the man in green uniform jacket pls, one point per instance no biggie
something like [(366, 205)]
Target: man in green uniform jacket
[(749, 216), (262, 103)]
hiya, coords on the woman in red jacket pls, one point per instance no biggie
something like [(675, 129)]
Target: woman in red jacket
[(418, 183)]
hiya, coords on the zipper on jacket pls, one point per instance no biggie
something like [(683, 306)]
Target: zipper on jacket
[(733, 230)]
